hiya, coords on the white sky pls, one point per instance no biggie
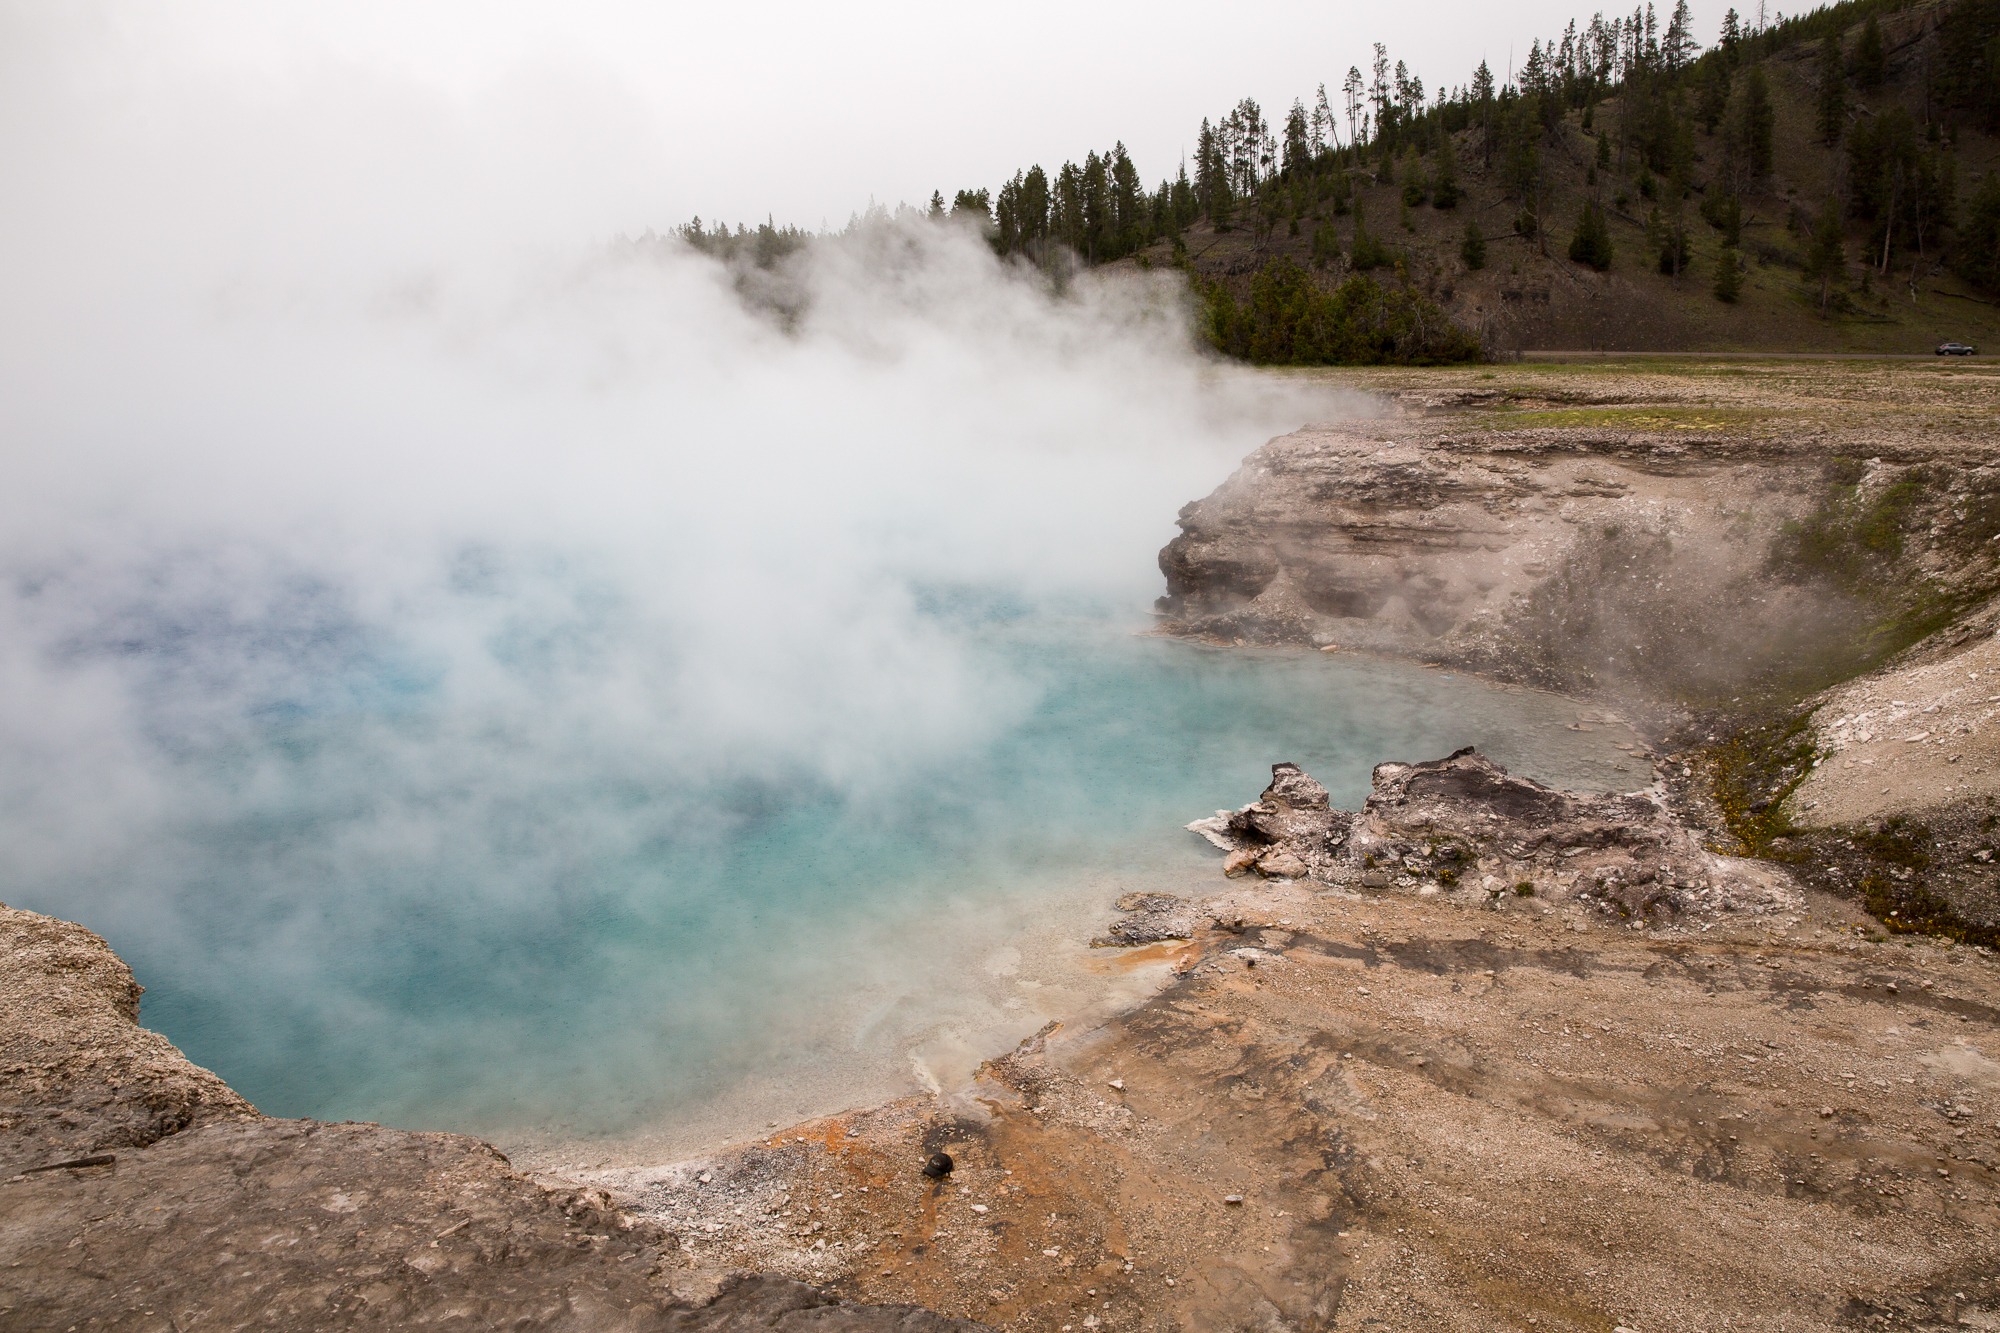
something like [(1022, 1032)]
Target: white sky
[(807, 110)]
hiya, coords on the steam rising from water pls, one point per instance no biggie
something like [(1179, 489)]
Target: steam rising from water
[(415, 598), (482, 673)]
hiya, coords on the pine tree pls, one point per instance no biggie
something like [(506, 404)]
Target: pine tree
[(1473, 248), (1298, 140), (1066, 207), (1728, 277), (973, 203), (937, 203), (1128, 210), (1871, 61), (1379, 92), (1409, 95), (1325, 129), (1415, 188), (1325, 245), (1034, 207), (1832, 91), (1712, 94), (1979, 241), (1007, 220), (1211, 178), (1035, 198), (1826, 263), (1445, 191), (1756, 119), (1366, 252), (1677, 51), (1482, 86), (1592, 242), (1093, 197), (1725, 213), (1672, 240)]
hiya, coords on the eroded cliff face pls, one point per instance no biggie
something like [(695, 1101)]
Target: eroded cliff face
[(1685, 565), (138, 1191)]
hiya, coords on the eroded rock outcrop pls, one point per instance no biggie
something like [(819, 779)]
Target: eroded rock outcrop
[(1290, 831), (138, 1191), (78, 1075), (1463, 825), (1667, 564)]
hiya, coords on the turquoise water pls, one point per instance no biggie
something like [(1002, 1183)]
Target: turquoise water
[(376, 909)]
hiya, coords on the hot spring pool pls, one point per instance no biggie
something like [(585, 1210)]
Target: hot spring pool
[(385, 912)]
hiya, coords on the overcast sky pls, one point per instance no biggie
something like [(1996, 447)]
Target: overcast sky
[(802, 110)]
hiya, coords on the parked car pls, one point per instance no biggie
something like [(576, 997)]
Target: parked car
[(1956, 349)]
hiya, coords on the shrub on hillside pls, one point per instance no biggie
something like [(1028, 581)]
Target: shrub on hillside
[(1415, 188), (1592, 242), (1367, 252), (1445, 191), (1325, 245), (1473, 248), (1728, 277), (1292, 320), (1724, 212)]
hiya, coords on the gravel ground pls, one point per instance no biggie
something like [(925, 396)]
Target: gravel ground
[(1400, 1112)]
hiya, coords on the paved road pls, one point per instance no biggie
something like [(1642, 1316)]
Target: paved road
[(1540, 355)]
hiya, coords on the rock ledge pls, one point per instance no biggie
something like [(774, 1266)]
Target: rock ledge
[(1465, 826)]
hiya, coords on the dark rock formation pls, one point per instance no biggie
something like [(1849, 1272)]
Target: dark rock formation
[(1466, 826), (195, 1212)]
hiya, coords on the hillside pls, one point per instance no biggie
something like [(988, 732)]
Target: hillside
[(1892, 154)]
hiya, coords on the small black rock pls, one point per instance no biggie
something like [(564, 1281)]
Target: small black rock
[(938, 1165)]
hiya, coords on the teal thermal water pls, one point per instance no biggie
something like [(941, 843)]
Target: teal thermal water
[(347, 937)]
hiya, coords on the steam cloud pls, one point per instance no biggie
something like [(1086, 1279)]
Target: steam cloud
[(387, 547)]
